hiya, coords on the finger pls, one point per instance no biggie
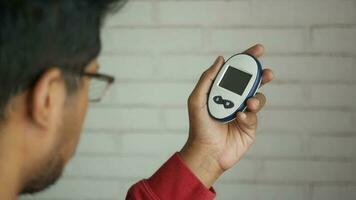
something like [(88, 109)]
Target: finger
[(256, 51), (256, 103), (267, 76), (247, 120), (206, 80)]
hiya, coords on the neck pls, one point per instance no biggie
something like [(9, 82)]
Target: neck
[(11, 162)]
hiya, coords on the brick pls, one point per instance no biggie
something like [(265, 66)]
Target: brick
[(303, 12), (334, 192), (260, 192), (333, 95), (151, 39), (123, 118), (81, 189), (152, 144), (183, 67), (275, 40), (307, 121), (307, 171), (285, 95), (153, 94), (333, 146), (133, 13), (125, 67), (336, 40), (244, 170), (99, 143), (114, 166), (278, 145), (176, 119), (204, 12), (311, 68)]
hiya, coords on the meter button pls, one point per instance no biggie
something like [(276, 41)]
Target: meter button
[(228, 104), (218, 99)]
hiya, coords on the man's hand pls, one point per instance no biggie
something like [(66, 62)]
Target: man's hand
[(214, 147)]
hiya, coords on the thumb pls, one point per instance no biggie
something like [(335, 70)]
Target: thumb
[(202, 88)]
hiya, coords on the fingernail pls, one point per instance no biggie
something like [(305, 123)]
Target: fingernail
[(260, 46), (242, 115), (257, 102), (217, 60)]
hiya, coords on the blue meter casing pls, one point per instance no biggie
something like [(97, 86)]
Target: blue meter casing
[(238, 80)]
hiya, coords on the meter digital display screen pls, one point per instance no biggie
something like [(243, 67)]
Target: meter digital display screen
[(235, 80)]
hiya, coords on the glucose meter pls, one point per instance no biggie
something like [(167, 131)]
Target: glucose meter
[(238, 79)]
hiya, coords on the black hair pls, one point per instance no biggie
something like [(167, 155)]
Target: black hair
[(36, 35)]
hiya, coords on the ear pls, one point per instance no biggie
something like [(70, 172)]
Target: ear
[(47, 99)]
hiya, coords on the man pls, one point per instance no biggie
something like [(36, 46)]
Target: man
[(49, 72)]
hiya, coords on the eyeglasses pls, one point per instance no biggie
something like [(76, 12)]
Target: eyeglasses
[(99, 85)]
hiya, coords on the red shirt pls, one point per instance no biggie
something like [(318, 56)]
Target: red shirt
[(173, 181)]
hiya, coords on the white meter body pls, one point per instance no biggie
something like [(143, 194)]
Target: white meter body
[(238, 79)]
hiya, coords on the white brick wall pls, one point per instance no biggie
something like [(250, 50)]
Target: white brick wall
[(306, 146)]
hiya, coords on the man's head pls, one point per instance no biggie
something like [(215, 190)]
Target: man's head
[(47, 49)]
